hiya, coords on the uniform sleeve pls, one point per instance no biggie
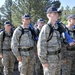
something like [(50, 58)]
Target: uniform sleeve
[(68, 38), (42, 45), (15, 42), (1, 34)]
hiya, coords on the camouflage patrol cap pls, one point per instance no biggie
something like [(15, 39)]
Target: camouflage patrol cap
[(40, 20), (25, 16), (52, 9), (71, 16), (7, 23)]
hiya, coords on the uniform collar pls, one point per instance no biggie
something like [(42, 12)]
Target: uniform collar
[(50, 24), (23, 26)]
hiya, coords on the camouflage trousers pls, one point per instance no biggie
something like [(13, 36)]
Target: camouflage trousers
[(26, 67), (38, 69), (73, 67), (54, 65), (67, 67), (8, 63), (1, 66), (68, 58)]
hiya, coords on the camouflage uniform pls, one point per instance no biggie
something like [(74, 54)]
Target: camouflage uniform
[(68, 56), (1, 67), (26, 66), (38, 65), (8, 57), (48, 51)]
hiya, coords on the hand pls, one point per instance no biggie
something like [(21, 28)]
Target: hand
[(19, 59), (1, 56), (46, 65), (72, 43)]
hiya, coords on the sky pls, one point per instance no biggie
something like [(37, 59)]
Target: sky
[(64, 3), (70, 3), (1, 2)]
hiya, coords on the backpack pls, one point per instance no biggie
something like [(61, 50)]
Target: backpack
[(60, 29), (4, 35), (22, 32), (37, 31), (50, 32)]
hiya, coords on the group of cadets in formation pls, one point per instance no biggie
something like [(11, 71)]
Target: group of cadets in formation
[(45, 49)]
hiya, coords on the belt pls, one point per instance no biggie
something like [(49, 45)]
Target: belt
[(73, 49), (26, 49), (53, 52), (6, 49)]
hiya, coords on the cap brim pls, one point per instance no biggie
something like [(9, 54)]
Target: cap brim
[(70, 18), (53, 11), (57, 11), (25, 17), (73, 17), (7, 25), (40, 21)]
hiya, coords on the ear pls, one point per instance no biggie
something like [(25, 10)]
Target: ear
[(22, 20), (4, 26), (48, 15), (69, 20)]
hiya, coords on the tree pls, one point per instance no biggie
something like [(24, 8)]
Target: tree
[(73, 10), (6, 9), (65, 13), (35, 8)]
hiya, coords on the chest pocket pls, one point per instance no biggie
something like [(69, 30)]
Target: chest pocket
[(7, 41), (55, 40), (57, 34), (27, 35)]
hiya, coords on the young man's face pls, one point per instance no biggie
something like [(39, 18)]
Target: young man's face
[(7, 27), (72, 21), (54, 16), (40, 24), (26, 21)]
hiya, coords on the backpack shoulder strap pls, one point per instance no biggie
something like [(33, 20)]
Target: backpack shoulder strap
[(50, 33), (37, 31), (3, 36), (22, 31), (12, 32), (33, 33)]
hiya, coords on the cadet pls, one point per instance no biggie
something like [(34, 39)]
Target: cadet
[(40, 23), (5, 49), (1, 66), (49, 46), (38, 66), (22, 46), (69, 55)]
